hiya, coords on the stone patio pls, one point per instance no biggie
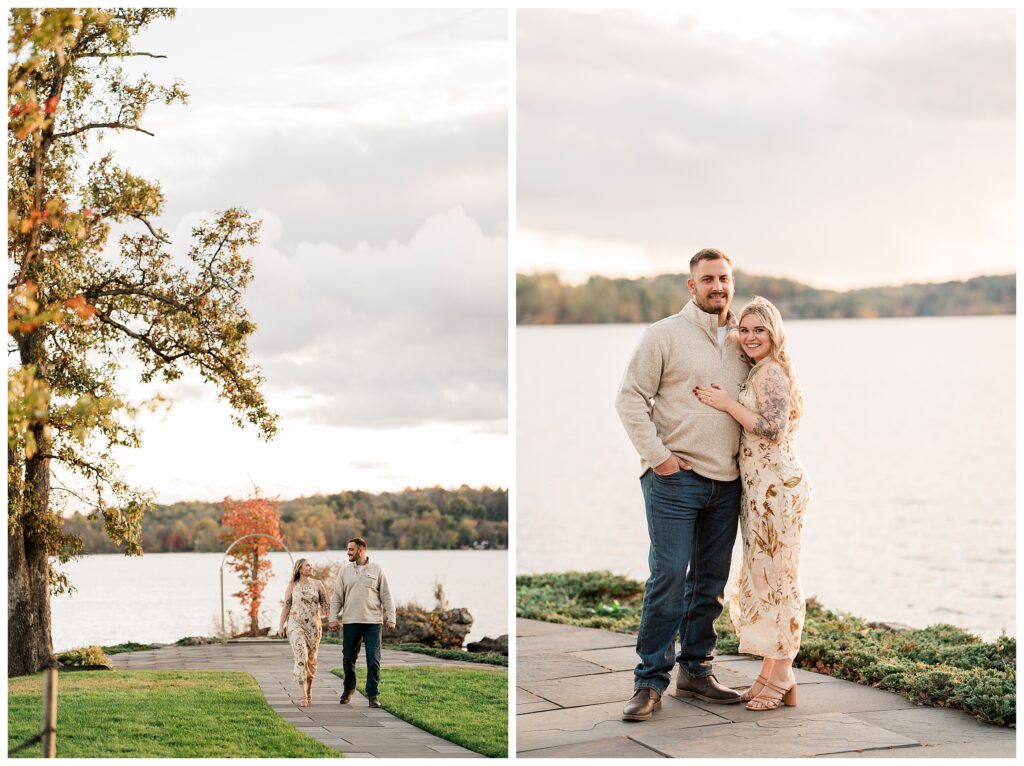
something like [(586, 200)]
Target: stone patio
[(572, 683), (354, 729)]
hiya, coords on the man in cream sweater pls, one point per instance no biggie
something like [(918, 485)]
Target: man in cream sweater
[(690, 482), (362, 597)]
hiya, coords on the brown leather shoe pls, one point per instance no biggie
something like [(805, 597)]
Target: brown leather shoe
[(706, 688), (374, 702), (347, 697), (642, 705)]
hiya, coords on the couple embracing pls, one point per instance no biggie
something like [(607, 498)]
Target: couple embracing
[(710, 402)]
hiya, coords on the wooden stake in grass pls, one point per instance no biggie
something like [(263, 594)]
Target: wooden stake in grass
[(50, 713)]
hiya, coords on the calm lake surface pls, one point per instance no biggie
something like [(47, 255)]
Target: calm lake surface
[(908, 437), (162, 597)]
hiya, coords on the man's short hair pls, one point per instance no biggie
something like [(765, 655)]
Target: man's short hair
[(360, 542), (708, 254)]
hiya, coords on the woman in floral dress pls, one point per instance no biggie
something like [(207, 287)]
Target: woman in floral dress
[(767, 605), (304, 601)]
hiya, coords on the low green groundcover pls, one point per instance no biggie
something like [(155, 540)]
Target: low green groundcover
[(941, 665), (462, 705), (130, 646), (156, 714), (482, 658)]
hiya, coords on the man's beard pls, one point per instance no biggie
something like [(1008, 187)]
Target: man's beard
[(704, 304)]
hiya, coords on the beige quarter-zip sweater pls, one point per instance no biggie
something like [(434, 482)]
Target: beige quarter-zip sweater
[(656, 403), (362, 594)]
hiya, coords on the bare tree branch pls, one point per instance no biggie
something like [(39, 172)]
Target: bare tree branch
[(108, 54), (149, 226), (95, 125), (91, 294), (145, 339), (77, 495)]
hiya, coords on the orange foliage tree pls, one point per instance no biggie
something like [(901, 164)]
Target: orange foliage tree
[(257, 515)]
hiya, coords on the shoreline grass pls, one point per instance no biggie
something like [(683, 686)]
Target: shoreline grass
[(466, 706), (157, 714), (483, 658), (130, 646), (941, 665)]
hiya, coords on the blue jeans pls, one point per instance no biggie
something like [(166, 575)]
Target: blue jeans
[(692, 523), (353, 634)]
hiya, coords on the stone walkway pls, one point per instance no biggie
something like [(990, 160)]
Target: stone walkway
[(572, 683), (354, 729)]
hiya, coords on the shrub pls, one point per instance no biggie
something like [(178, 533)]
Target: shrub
[(85, 656)]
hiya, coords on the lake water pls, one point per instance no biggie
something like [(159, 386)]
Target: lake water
[(908, 438), (162, 597)]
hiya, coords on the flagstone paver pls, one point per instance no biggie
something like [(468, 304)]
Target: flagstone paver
[(354, 729), (791, 737), (564, 711)]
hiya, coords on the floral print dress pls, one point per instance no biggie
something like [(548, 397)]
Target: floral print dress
[(304, 628), (766, 605)]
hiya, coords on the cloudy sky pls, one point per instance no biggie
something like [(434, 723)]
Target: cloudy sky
[(373, 145), (844, 148)]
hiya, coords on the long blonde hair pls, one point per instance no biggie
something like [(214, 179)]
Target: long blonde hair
[(296, 568), (770, 317)]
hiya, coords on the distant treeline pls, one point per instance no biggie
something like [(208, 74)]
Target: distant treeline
[(543, 299), (412, 519)]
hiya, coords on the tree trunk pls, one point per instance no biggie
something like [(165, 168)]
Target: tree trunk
[(29, 647), (254, 605)]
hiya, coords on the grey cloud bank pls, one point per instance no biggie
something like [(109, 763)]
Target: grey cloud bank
[(882, 151), (399, 335), (373, 184)]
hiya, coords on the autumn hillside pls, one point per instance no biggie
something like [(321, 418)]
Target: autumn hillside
[(431, 518), (544, 299)]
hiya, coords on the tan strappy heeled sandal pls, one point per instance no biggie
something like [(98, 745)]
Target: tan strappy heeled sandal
[(749, 693), (787, 697)]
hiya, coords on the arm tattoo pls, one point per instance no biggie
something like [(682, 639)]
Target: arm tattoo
[(772, 392)]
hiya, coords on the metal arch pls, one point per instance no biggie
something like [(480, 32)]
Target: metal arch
[(223, 630)]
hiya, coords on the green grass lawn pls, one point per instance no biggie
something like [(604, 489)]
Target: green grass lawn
[(462, 705), (156, 714)]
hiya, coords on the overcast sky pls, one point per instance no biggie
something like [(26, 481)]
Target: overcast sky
[(374, 147), (844, 148)]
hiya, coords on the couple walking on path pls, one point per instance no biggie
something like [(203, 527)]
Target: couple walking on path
[(361, 599), (710, 402)]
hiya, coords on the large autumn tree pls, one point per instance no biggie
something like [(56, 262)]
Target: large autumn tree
[(80, 304)]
